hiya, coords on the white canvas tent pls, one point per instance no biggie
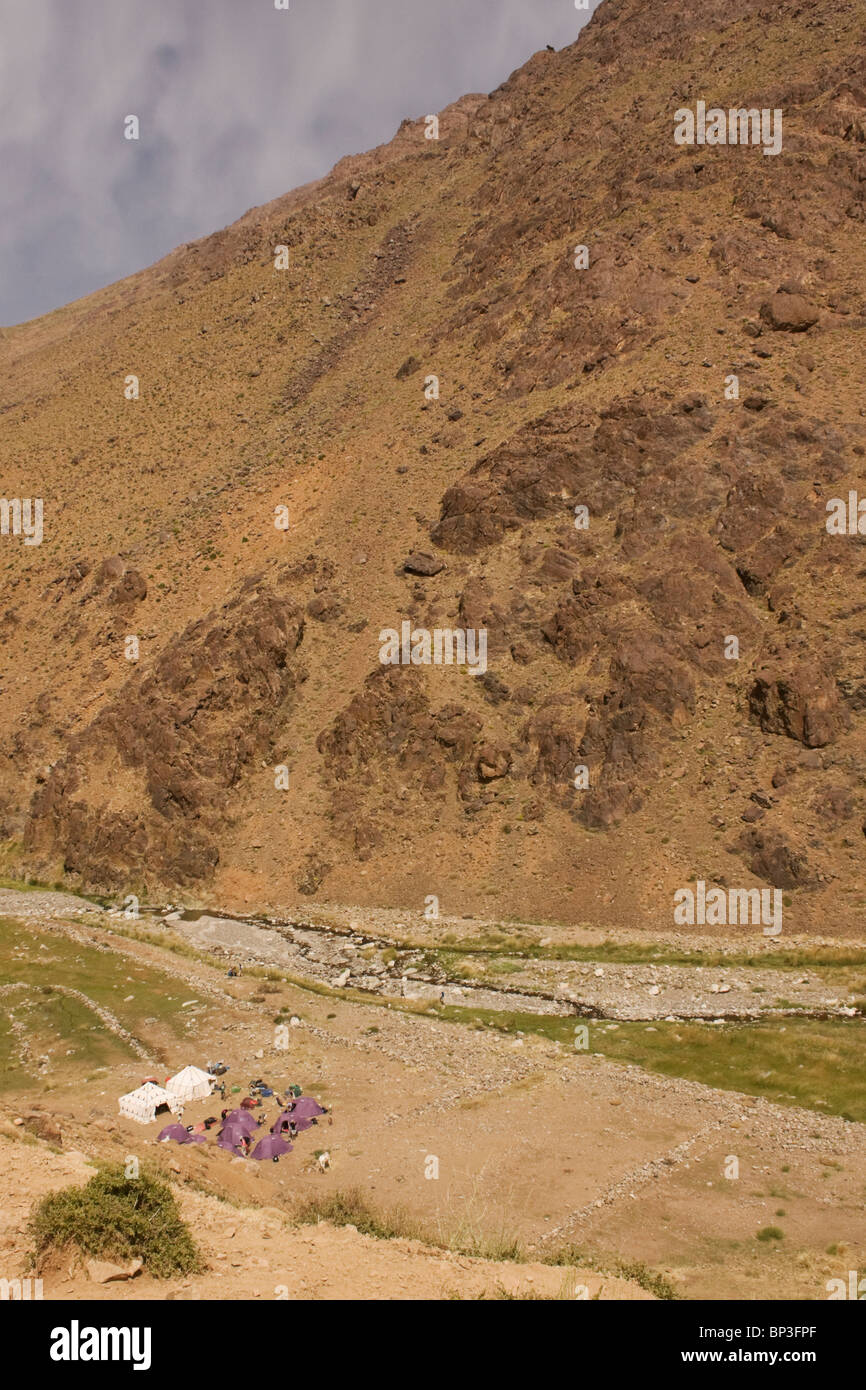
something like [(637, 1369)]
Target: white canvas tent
[(141, 1105), (190, 1084)]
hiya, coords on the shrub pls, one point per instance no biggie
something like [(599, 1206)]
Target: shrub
[(118, 1218), (351, 1208)]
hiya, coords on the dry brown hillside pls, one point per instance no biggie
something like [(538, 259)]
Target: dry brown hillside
[(605, 387)]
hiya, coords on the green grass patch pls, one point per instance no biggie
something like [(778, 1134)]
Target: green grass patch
[(502, 956), (471, 1237), (25, 885), (51, 1022), (36, 885), (352, 1208), (813, 1063)]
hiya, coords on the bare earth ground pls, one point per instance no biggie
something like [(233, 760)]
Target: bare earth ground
[(255, 1253), (534, 1141)]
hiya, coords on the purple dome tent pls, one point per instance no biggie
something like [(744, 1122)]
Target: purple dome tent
[(179, 1134), (301, 1114), (272, 1146), (283, 1121), (232, 1138), (305, 1108), (243, 1119)]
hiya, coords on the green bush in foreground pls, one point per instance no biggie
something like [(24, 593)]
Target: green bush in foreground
[(118, 1218)]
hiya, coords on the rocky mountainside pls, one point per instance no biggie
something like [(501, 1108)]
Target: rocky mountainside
[(648, 362)]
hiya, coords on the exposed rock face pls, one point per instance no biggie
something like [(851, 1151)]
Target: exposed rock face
[(313, 875), (180, 738), (131, 589), (777, 862), (645, 360), (493, 763), (804, 705), (563, 456)]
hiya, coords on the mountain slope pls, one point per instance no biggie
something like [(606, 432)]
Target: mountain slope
[(559, 388)]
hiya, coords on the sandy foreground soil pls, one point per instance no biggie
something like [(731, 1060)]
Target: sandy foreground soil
[(256, 1253), (533, 1142)]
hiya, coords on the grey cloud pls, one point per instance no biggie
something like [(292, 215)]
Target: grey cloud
[(238, 103)]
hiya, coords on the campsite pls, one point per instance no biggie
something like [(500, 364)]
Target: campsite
[(239, 1129), (465, 1151)]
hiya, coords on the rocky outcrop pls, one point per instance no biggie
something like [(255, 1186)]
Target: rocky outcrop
[(177, 740), (804, 705)]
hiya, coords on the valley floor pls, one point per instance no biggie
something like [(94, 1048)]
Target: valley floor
[(542, 1151)]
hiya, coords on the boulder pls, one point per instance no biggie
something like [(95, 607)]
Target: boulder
[(775, 861), (104, 1272), (789, 313), (421, 562), (113, 567)]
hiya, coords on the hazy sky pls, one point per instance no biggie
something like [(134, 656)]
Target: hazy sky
[(238, 103)]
